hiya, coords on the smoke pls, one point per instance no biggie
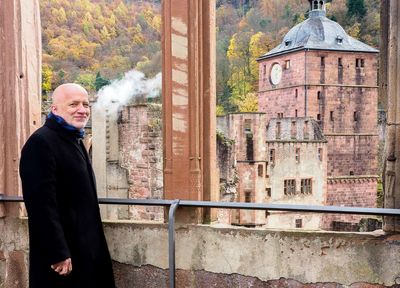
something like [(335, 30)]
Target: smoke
[(121, 92)]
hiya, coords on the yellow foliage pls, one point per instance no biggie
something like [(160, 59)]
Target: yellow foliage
[(220, 111), (248, 103)]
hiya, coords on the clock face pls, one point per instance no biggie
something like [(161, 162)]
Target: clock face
[(276, 74)]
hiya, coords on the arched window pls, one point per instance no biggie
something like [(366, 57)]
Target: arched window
[(315, 5)]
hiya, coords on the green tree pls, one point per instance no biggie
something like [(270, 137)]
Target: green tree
[(87, 80), (356, 8), (100, 81)]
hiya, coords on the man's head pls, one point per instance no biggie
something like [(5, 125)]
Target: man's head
[(71, 102)]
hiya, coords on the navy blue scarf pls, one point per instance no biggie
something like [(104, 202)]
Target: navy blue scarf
[(80, 133)]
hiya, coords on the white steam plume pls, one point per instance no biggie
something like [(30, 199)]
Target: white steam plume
[(121, 92)]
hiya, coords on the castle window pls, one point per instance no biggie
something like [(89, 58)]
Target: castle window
[(360, 63), (268, 190), (272, 156), (319, 117), (247, 125), (260, 170), (319, 95), (305, 130), (247, 197), (287, 64), (278, 130), (351, 173), (296, 93), (288, 42), (322, 61), (297, 155), (280, 115), (315, 5), (266, 171), (320, 151), (339, 40), (264, 69), (295, 113), (331, 116), (355, 116), (306, 187), (249, 147), (293, 130), (299, 223), (340, 63), (289, 187)]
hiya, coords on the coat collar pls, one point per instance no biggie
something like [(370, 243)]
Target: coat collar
[(68, 135)]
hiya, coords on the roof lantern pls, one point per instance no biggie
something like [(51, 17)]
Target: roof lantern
[(318, 33)]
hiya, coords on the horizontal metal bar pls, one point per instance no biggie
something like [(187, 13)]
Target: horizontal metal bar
[(241, 205)]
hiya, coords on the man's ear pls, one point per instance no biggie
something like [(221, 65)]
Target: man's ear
[(53, 108)]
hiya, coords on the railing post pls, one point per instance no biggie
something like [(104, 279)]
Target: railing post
[(171, 242)]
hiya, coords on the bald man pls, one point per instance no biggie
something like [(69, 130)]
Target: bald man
[(66, 239)]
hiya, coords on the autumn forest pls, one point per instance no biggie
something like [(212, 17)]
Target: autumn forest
[(95, 41)]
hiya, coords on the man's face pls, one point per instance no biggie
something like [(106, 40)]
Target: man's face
[(73, 106)]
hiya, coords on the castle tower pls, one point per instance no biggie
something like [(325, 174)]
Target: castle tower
[(319, 71)]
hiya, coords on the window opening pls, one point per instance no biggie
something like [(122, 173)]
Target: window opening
[(289, 187), (306, 187)]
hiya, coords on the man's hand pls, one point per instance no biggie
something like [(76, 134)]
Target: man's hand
[(63, 267)]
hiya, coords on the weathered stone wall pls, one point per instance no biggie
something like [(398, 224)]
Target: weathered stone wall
[(208, 256), (140, 150), (352, 155), (240, 257), (351, 192)]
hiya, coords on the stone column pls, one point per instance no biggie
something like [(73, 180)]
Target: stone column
[(189, 103), (390, 87), (20, 88)]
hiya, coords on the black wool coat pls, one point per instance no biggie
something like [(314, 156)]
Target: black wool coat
[(63, 213)]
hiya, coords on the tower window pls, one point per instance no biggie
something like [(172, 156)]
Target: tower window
[(340, 64), (297, 155), (320, 151), (296, 93), (247, 125), (315, 5), (272, 156), (287, 64), (247, 197), (319, 95), (360, 63), (306, 186), (289, 187), (355, 116), (264, 69), (331, 116), (268, 190), (319, 117), (322, 61), (339, 39), (295, 113), (260, 170), (278, 130), (299, 223)]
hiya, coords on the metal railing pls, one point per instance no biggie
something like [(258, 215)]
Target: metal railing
[(174, 204)]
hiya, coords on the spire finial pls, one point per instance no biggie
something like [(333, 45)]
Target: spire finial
[(317, 8)]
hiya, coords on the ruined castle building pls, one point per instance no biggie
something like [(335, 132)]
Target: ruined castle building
[(319, 71)]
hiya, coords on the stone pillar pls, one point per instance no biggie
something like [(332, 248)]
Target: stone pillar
[(390, 87), (189, 103), (20, 88)]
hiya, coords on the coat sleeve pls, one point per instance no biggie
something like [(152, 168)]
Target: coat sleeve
[(38, 175)]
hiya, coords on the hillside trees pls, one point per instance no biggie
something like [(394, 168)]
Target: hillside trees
[(90, 40)]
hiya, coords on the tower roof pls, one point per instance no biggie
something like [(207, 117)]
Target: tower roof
[(318, 33)]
